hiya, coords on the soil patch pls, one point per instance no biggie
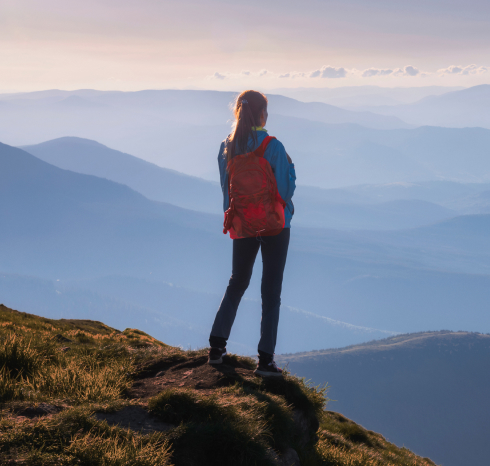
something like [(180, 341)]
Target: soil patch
[(194, 373), (39, 410), (135, 418)]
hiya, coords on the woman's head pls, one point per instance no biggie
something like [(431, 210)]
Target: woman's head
[(250, 110)]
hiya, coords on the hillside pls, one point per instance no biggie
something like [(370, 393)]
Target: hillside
[(457, 109), (54, 214), (425, 390), (80, 392), (336, 156), (314, 208), (154, 182)]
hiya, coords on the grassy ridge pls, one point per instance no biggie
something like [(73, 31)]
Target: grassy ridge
[(75, 369)]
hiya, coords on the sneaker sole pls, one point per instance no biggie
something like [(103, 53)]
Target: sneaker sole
[(215, 361), (267, 374)]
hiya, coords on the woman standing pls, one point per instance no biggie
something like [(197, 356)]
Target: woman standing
[(249, 135)]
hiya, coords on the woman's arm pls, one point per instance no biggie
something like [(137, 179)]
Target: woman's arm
[(284, 172), (223, 176)]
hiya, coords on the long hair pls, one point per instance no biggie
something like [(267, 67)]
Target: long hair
[(247, 109)]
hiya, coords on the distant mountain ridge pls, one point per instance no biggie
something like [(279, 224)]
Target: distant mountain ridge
[(182, 130), (210, 104), (154, 182), (353, 97), (160, 184), (456, 109), (425, 390)]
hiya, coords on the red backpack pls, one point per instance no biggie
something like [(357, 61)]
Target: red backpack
[(256, 207)]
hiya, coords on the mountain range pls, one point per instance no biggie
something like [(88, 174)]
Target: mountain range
[(317, 208), (68, 226), (426, 391), (353, 97), (182, 130), (457, 109)]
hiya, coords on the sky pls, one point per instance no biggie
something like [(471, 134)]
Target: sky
[(229, 44)]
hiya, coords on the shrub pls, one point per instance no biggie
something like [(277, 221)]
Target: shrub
[(19, 356), (74, 437), (215, 428)]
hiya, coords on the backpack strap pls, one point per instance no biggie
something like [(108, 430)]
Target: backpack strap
[(259, 152)]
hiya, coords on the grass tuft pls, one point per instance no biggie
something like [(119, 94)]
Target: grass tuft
[(83, 367), (75, 437)]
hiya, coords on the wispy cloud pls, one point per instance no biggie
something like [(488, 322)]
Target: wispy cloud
[(463, 70), (375, 72), (329, 72), (408, 70)]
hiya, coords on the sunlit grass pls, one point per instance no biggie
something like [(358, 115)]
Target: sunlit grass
[(75, 437), (85, 366)]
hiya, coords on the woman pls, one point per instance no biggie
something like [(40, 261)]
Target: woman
[(248, 133)]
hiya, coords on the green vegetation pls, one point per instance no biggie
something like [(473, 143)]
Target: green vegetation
[(76, 437), (343, 442), (71, 370)]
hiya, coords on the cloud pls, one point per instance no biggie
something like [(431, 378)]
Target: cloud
[(463, 70), (263, 73), (375, 72), (287, 75), (218, 76), (246, 73), (329, 72), (407, 71), (411, 71)]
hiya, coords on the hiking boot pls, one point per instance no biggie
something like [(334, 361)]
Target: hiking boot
[(265, 369), (216, 355)]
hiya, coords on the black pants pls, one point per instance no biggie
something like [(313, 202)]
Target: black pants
[(274, 251)]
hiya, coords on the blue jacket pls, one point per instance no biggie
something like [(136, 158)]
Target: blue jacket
[(284, 172)]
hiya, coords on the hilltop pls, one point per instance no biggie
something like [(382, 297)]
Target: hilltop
[(81, 392), (426, 390)]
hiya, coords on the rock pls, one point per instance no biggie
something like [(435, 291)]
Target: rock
[(60, 338), (135, 418), (305, 428), (42, 409), (290, 458)]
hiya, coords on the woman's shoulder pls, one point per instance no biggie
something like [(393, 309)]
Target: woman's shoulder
[(223, 143), (276, 147), (222, 147), (275, 143)]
